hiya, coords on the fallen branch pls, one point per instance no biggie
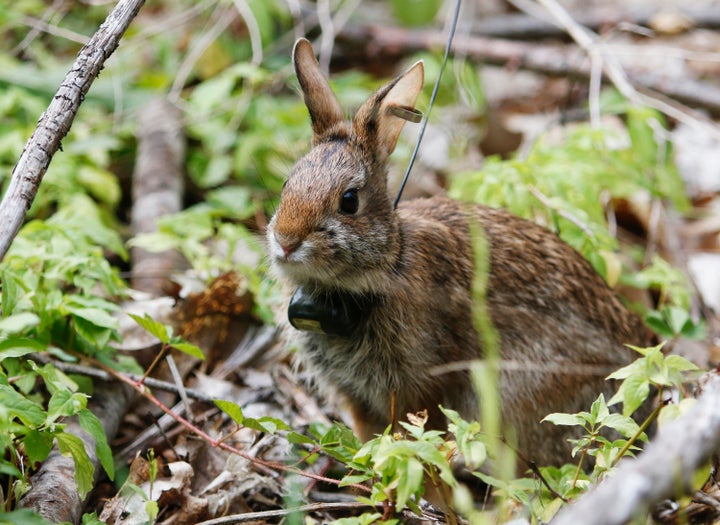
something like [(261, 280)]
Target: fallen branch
[(527, 27), (665, 469), (552, 60), (157, 191), (55, 123), (53, 493)]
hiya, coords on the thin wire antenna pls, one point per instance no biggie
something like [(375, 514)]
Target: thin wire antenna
[(436, 87)]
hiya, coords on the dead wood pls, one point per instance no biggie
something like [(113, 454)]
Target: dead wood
[(54, 494), (157, 191), (524, 26), (665, 469), (392, 43), (55, 123)]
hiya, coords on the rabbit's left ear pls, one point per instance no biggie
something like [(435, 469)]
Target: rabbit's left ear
[(379, 121)]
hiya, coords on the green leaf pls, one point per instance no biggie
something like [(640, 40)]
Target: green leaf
[(676, 318), (69, 444), (299, 439), (599, 410), (367, 518), (13, 404), (231, 409), (266, 424), (21, 517), (65, 403), (155, 328), (559, 418), (55, 379), (152, 509), (352, 479), (95, 316), (188, 348), (91, 519), (410, 480), (92, 426), (623, 424), (632, 393), (18, 323), (38, 445), (679, 363), (20, 346)]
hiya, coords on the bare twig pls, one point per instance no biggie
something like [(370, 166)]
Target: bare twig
[(55, 123), (224, 16), (282, 513), (590, 43), (268, 466), (243, 8)]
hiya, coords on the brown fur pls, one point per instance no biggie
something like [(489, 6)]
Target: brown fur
[(553, 313)]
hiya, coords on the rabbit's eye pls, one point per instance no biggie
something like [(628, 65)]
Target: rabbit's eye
[(349, 202)]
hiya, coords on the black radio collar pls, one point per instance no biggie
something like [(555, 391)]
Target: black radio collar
[(337, 313)]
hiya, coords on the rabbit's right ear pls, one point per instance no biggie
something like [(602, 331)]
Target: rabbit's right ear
[(323, 105)]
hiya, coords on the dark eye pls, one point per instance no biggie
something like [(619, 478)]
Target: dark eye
[(349, 202)]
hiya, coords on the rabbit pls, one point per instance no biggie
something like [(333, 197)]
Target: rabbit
[(405, 275)]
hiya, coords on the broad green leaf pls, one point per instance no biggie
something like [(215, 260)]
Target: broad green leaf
[(100, 183), (92, 426), (69, 444), (21, 517), (410, 480), (599, 409), (20, 346), (231, 409), (155, 328), (13, 404), (188, 348), (367, 518), (65, 403), (8, 469), (17, 323), (266, 424), (632, 394), (299, 439), (152, 509), (91, 519), (625, 425), (354, 479), (55, 379), (679, 363), (38, 445), (558, 418), (95, 316)]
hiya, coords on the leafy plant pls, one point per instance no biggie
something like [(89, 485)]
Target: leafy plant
[(53, 279)]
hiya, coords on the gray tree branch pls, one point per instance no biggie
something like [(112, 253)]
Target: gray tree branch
[(55, 123)]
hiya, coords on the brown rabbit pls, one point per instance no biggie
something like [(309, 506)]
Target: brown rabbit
[(398, 284)]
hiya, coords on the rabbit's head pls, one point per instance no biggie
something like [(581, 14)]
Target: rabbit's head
[(335, 225)]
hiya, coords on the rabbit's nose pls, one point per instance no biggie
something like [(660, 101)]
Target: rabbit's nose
[(288, 245)]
